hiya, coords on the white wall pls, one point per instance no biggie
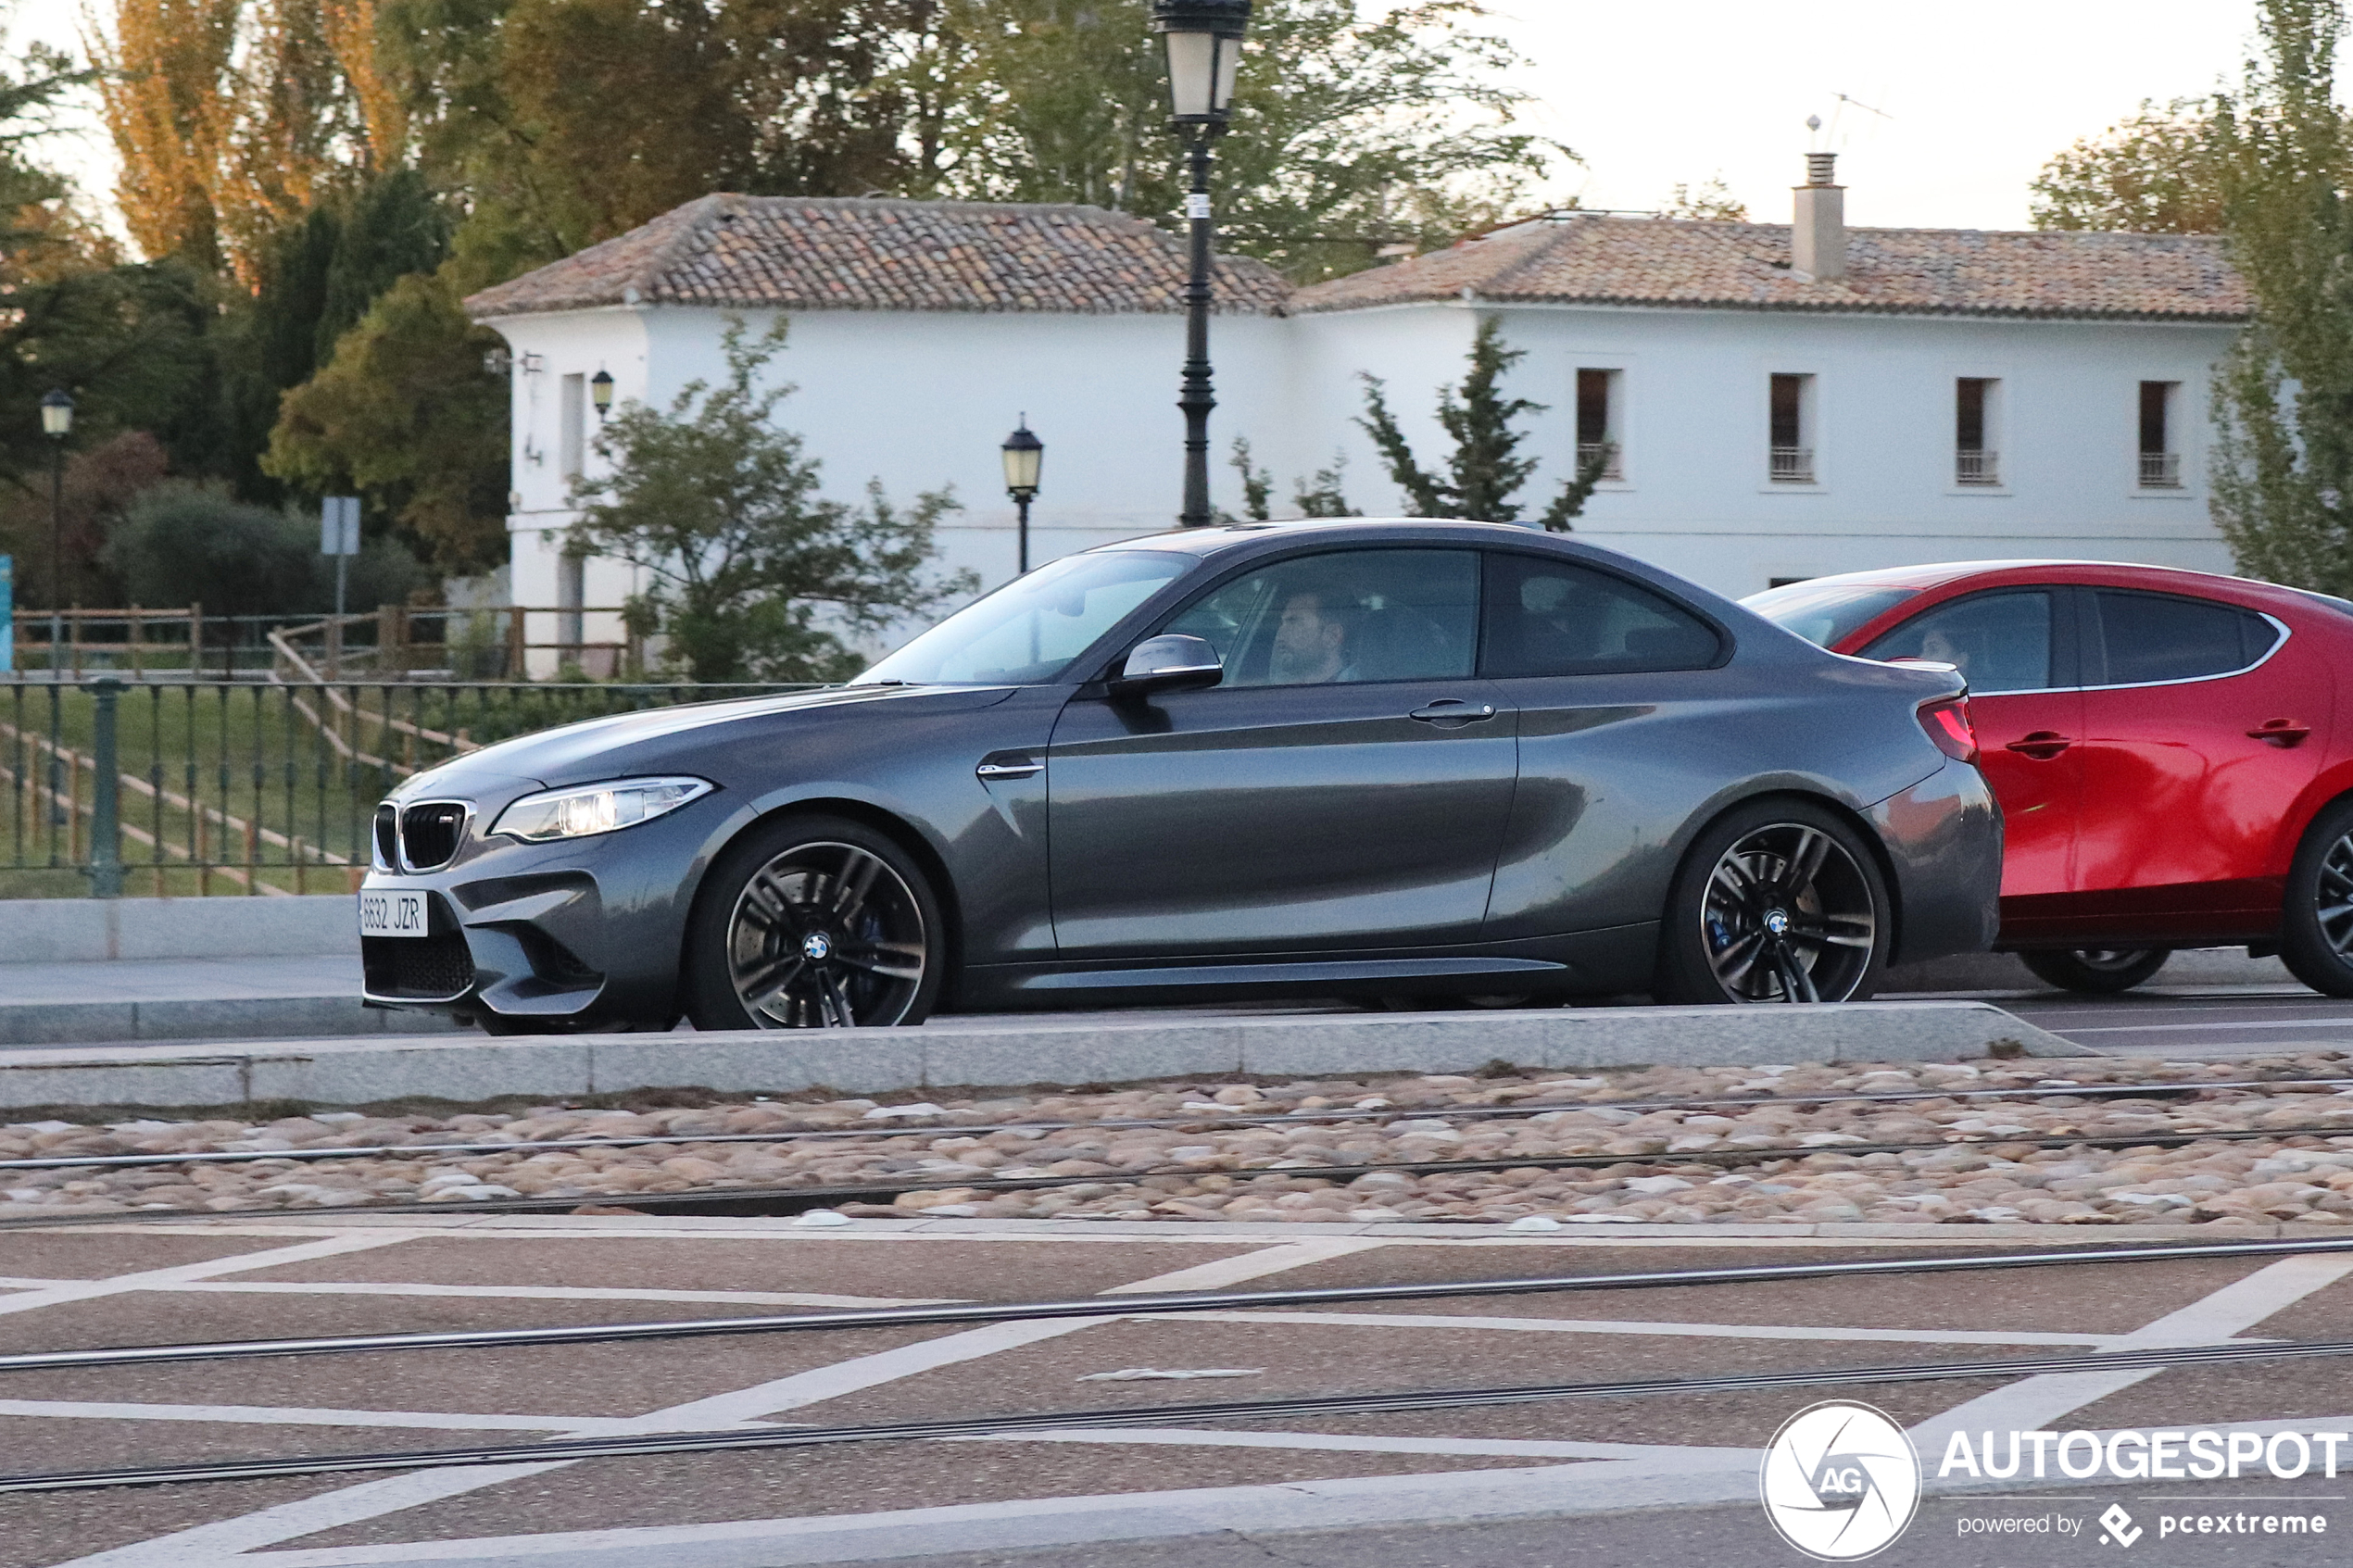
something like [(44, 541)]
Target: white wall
[(922, 400), (1696, 498)]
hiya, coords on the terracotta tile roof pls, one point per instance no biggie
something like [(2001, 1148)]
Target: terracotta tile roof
[(1745, 267), (806, 253)]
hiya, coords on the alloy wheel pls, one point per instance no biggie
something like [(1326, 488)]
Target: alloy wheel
[(2335, 898), (1788, 917), (826, 935)]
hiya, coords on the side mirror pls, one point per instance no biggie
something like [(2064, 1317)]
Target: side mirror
[(1168, 664)]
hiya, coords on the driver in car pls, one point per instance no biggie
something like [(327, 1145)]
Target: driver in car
[(1311, 644)]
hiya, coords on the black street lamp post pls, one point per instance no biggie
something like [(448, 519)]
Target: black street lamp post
[(1024, 454), (1204, 42), (57, 423)]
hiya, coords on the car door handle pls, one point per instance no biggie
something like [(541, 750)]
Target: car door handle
[(1003, 766), (1452, 711), (2282, 733), (2042, 746)]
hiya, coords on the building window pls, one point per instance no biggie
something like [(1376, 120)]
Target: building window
[(1598, 397), (1975, 461), (2161, 461), (572, 413), (1792, 457)]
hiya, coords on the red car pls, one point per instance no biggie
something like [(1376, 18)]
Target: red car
[(2164, 745)]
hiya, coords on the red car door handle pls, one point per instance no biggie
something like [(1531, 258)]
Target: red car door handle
[(2282, 733), (2042, 746)]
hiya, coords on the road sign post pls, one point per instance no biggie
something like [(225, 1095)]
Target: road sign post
[(339, 537)]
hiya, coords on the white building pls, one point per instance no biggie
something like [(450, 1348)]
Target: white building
[(1784, 403)]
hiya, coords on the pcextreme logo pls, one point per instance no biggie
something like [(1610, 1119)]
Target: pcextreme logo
[(1840, 1480)]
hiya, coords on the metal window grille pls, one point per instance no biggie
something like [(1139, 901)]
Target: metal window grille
[(1611, 468), (2161, 471), (1793, 465), (1977, 467)]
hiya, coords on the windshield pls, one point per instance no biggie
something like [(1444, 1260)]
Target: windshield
[(1027, 630), (1828, 611)]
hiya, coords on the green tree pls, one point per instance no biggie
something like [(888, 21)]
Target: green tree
[(1356, 125), (753, 574), (318, 279), (2157, 172), (180, 542), (2283, 398), (407, 415), (1485, 470)]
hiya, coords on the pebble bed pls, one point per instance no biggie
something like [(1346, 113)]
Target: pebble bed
[(1210, 1173)]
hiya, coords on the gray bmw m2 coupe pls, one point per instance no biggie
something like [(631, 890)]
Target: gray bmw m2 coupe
[(1351, 759)]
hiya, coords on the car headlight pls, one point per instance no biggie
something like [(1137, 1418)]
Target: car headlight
[(585, 810)]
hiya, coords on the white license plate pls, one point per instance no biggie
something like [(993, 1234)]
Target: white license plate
[(391, 914)]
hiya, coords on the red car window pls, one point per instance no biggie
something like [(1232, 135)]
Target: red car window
[(2141, 639), (2001, 642)]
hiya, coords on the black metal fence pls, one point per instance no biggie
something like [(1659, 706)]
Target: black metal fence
[(177, 786)]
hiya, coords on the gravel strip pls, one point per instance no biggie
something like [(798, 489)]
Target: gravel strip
[(1238, 1172)]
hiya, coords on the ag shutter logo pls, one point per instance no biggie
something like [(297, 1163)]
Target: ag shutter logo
[(1840, 1480), (2117, 1526)]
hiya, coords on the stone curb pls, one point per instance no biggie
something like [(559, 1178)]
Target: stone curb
[(238, 1019), (1028, 1051), (1492, 1234), (87, 929)]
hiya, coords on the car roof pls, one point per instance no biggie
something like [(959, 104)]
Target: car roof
[(1342, 530), (1939, 574)]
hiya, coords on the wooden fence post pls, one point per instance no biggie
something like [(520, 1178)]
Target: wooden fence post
[(195, 640)]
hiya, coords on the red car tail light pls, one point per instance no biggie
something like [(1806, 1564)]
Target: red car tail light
[(1947, 723)]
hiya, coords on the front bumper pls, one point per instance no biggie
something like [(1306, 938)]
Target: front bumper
[(1943, 839), (585, 932)]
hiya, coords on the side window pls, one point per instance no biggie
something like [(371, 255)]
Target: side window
[(2002, 642), (1347, 615), (1553, 617), (2138, 638)]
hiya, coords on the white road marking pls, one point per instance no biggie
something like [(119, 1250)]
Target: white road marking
[(223, 1540), (1326, 1442), (555, 1293), (115, 1285), (295, 1415), (2035, 1403), (2213, 1025), (1244, 1266), (1667, 1478), (1680, 1330)]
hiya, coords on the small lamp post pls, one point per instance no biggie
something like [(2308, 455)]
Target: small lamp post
[(57, 423), (1204, 42), (600, 393), (1024, 454)]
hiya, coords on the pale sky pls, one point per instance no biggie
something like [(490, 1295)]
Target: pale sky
[(1971, 99)]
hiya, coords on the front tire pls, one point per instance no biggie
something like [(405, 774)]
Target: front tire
[(2098, 971), (1780, 901), (810, 922), (2316, 922)]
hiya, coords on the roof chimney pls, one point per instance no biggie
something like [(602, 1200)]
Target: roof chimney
[(1818, 238)]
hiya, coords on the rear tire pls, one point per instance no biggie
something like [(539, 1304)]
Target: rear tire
[(812, 922), (1779, 902), (2096, 971), (2316, 920)]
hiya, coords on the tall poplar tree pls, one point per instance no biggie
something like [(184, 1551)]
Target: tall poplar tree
[(2282, 481)]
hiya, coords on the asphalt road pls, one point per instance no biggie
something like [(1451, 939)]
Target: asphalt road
[(1648, 1481)]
